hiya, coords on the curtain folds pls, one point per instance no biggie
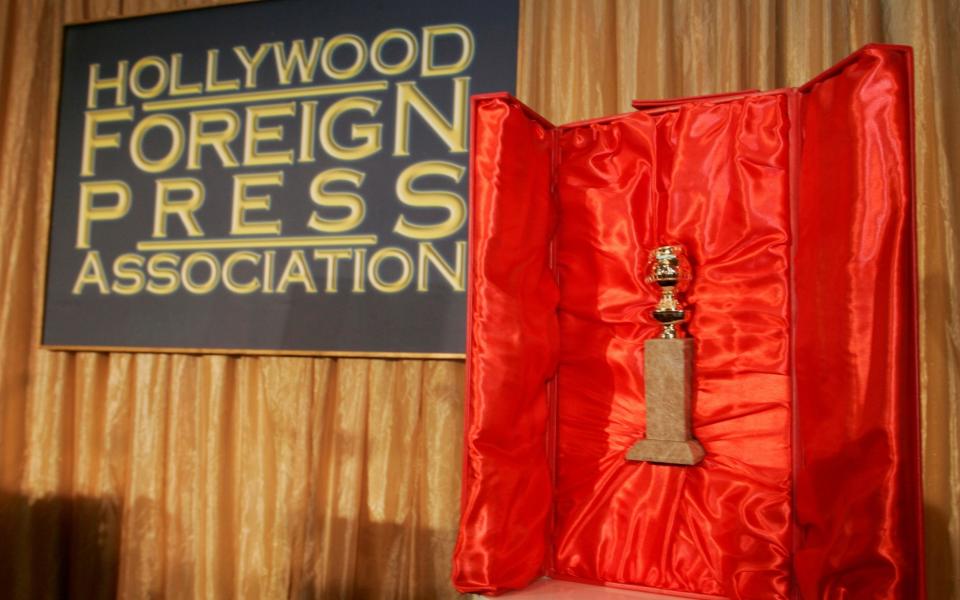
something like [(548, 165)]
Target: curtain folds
[(138, 475)]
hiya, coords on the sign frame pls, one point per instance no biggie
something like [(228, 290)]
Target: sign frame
[(213, 348)]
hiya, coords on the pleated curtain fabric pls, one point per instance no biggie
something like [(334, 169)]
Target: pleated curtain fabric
[(147, 475)]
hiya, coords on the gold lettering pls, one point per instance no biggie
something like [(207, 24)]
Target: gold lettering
[(183, 208), (214, 84), (449, 201), (376, 51), (230, 283), (166, 162), (368, 132), (406, 270), (296, 271), (186, 273), (251, 64), (269, 259), (308, 123), (163, 77), (453, 133), (354, 203), (331, 256), (93, 140), (243, 203), (359, 268), (430, 34), (254, 134), (127, 267), (306, 65), (117, 83), (360, 60), (89, 213), (157, 271), (91, 272), (176, 87), (456, 274), (218, 140)]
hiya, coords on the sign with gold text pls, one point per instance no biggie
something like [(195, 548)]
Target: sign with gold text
[(285, 176)]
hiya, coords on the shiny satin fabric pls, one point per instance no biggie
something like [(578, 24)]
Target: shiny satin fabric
[(714, 178), (858, 477), (730, 178), (512, 336)]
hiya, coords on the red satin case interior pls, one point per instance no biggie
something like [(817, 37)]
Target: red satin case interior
[(796, 209)]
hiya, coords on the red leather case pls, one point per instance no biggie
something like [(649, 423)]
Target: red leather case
[(796, 208)]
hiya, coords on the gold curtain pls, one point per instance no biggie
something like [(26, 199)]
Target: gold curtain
[(182, 476)]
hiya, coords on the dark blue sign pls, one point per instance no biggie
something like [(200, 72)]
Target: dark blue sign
[(286, 176)]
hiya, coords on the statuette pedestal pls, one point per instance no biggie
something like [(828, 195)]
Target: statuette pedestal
[(668, 374)]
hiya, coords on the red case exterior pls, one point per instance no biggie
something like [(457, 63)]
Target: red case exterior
[(797, 209)]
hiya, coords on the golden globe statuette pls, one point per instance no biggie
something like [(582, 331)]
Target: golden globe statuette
[(668, 368)]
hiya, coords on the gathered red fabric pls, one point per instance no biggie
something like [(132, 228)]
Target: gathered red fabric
[(714, 178), (795, 208)]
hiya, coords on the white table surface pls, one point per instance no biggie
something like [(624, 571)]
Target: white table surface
[(554, 589)]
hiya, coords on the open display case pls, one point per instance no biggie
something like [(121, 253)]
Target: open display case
[(796, 208)]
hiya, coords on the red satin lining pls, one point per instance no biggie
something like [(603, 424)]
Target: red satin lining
[(722, 176), (506, 494), (858, 482), (713, 177)]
